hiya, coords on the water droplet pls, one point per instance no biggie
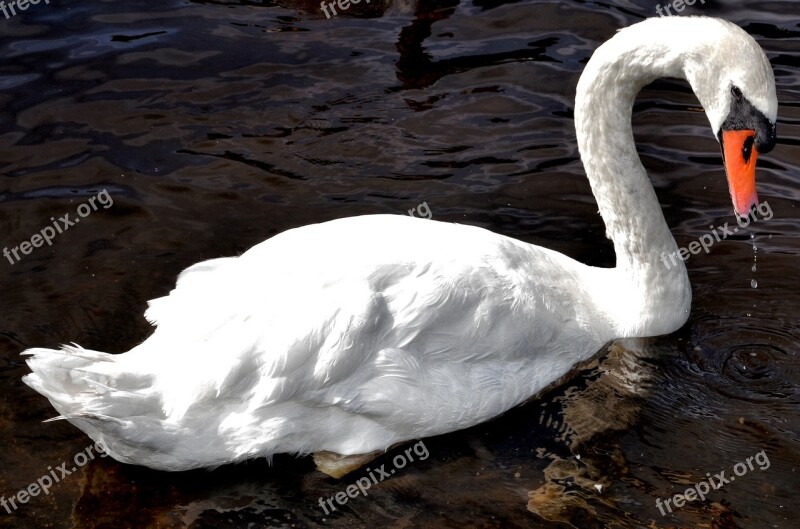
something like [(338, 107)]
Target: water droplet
[(754, 267), (754, 283), (748, 314)]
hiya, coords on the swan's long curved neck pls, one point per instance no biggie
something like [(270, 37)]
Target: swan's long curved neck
[(653, 289)]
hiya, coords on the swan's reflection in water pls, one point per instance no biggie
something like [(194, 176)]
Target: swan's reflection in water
[(582, 487), (577, 484), (595, 475)]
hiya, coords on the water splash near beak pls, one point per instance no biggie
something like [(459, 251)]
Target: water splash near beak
[(753, 282)]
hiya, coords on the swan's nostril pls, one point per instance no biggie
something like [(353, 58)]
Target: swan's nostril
[(747, 148)]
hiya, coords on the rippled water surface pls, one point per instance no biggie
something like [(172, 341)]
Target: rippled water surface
[(216, 124)]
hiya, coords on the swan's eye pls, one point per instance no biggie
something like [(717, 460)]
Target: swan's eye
[(736, 92), (747, 149)]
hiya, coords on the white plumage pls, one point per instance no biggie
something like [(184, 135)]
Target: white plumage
[(356, 334)]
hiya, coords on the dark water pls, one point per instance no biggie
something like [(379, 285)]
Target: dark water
[(216, 124)]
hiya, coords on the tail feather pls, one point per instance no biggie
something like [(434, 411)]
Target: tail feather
[(87, 416), (99, 393), (78, 381), (118, 401)]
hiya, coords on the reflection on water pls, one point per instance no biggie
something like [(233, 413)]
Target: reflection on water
[(581, 484), (216, 124)]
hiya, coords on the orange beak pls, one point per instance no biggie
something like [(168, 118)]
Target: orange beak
[(739, 154)]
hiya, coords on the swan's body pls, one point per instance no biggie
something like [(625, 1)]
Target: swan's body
[(356, 334)]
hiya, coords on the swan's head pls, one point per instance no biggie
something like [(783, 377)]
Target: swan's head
[(733, 79), (745, 133)]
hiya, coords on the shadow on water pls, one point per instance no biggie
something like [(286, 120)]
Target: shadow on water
[(217, 124)]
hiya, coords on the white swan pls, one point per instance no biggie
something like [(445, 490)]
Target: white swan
[(356, 334)]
